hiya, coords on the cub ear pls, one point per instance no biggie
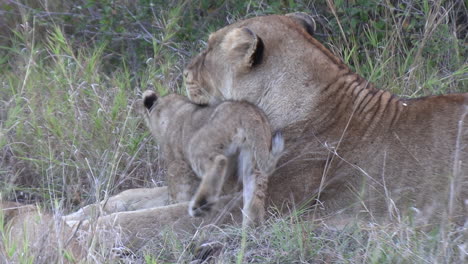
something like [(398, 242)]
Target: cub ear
[(305, 21), (243, 46), (149, 98)]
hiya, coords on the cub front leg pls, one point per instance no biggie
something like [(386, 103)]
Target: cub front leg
[(210, 187)]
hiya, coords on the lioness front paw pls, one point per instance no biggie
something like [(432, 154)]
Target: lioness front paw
[(200, 207)]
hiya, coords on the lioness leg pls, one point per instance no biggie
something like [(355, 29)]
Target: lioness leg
[(182, 184), (36, 235), (135, 228), (128, 200), (210, 187)]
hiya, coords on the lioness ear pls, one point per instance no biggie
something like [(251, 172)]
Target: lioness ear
[(305, 21), (149, 98), (243, 46)]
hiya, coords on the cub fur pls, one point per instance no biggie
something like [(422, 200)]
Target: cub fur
[(217, 143), (358, 149)]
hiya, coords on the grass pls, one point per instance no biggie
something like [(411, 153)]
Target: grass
[(69, 134)]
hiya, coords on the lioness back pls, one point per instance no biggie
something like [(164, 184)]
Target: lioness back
[(357, 149)]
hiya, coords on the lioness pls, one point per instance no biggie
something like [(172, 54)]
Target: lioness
[(214, 140), (358, 149)]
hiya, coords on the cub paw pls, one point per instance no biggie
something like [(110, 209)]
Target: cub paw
[(200, 207)]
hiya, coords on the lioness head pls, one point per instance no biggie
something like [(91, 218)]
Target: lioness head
[(238, 51), (232, 53), (263, 58)]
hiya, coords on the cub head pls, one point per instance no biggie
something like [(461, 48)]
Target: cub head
[(237, 55), (158, 111)]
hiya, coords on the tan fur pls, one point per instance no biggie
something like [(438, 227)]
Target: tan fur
[(46, 238), (37, 234), (139, 227), (353, 147), (128, 200), (357, 149), (211, 140)]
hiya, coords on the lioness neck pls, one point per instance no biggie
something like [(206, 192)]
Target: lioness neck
[(352, 103)]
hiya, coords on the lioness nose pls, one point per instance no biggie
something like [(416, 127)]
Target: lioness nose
[(185, 73)]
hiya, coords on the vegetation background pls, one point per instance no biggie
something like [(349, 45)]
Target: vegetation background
[(71, 71)]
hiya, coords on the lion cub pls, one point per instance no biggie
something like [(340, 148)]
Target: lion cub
[(217, 141)]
